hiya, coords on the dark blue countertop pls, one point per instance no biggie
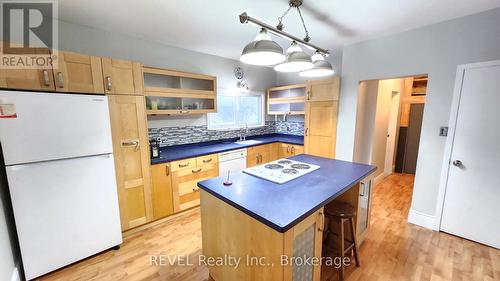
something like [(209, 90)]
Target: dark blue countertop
[(281, 206), (177, 152)]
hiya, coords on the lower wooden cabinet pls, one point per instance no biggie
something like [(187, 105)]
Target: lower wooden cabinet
[(185, 176), (163, 204), (131, 152), (288, 150), (259, 154)]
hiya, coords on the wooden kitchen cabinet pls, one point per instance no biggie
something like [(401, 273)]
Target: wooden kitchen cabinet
[(186, 174), (259, 154), (131, 152), (122, 77), (79, 73), (288, 150), (27, 79), (321, 117), (163, 204), (323, 90)]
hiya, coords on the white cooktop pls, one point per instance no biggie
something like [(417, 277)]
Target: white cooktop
[(281, 171)]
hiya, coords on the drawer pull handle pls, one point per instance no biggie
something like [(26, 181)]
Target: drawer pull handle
[(183, 165), (195, 189), (109, 83), (184, 112), (46, 81), (60, 80), (207, 160), (196, 171)]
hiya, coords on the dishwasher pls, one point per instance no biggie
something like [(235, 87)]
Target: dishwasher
[(234, 160)]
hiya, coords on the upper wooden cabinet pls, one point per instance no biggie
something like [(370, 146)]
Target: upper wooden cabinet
[(122, 77), (174, 92), (286, 99), (323, 90), (321, 117), (78, 73), (27, 79), (131, 152)]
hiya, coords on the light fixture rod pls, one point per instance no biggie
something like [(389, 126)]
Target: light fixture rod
[(245, 18)]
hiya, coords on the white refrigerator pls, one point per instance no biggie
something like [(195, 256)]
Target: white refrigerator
[(58, 158)]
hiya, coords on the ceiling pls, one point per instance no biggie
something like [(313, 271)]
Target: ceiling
[(213, 27)]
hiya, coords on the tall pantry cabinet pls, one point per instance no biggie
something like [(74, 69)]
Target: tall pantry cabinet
[(321, 110)]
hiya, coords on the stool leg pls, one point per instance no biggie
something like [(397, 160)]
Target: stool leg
[(342, 254), (355, 248)]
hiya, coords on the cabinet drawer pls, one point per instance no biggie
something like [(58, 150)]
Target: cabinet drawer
[(184, 164), (207, 160), (189, 200)]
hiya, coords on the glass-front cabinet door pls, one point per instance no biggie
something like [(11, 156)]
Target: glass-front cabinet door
[(174, 92), (288, 100)]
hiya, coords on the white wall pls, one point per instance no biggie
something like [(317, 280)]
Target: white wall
[(88, 40), (436, 50)]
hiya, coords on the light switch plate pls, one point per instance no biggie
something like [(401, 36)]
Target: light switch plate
[(443, 131)]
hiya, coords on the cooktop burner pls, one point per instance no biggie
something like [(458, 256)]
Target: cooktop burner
[(300, 166), (273, 166), (289, 171), (281, 170)]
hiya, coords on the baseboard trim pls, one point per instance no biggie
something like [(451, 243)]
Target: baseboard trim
[(378, 179), (15, 275), (423, 220)]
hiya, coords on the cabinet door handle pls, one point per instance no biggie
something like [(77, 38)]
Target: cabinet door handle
[(207, 160), (130, 143), (183, 165), (60, 80), (45, 75), (293, 149), (196, 189), (109, 83), (362, 193), (167, 170), (196, 171), (309, 95), (260, 157), (321, 227), (287, 149), (307, 132), (184, 111)]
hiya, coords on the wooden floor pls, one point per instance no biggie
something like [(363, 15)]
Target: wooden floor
[(393, 249)]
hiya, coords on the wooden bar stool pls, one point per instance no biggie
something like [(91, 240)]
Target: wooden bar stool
[(344, 212)]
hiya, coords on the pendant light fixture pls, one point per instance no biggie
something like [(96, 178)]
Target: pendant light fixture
[(321, 67), (296, 60), (262, 51)]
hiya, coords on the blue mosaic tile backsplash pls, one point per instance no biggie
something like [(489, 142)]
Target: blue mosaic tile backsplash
[(193, 134)]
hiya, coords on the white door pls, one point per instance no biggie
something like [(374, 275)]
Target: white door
[(472, 201), (391, 134), (54, 126), (64, 210)]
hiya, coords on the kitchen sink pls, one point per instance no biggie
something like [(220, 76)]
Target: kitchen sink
[(248, 142)]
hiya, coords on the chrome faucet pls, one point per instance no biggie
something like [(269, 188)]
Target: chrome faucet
[(243, 133)]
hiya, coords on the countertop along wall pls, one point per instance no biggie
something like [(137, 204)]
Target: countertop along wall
[(436, 50)]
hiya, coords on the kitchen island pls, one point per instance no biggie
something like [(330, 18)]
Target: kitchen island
[(264, 225)]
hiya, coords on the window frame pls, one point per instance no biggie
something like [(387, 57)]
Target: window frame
[(238, 126)]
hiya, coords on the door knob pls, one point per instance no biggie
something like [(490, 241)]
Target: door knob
[(457, 163)]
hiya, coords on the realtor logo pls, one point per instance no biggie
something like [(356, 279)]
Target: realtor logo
[(29, 34)]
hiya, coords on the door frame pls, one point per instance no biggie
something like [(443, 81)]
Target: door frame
[(455, 105)]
